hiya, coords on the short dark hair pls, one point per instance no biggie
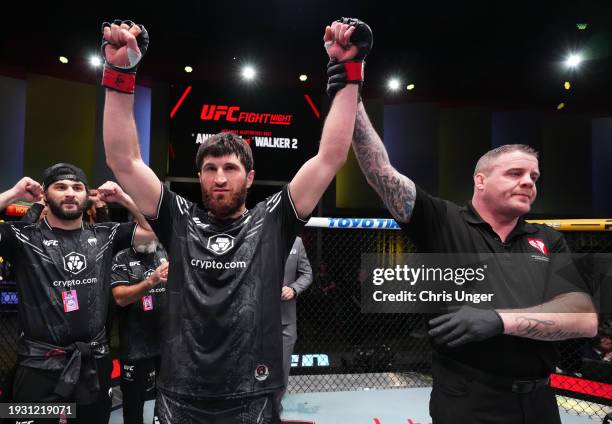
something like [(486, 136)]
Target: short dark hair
[(486, 161), (223, 144)]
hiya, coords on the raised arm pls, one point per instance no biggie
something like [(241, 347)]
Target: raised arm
[(123, 47), (397, 191), (313, 178), (26, 190), (34, 213), (101, 214), (111, 192)]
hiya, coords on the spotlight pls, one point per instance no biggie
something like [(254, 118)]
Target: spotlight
[(63, 59), (95, 61), (248, 72), (188, 69), (410, 87), (567, 85), (303, 77), (573, 60), (560, 106), (582, 26), (393, 84)]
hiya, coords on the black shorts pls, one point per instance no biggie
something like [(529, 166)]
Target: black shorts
[(172, 409)]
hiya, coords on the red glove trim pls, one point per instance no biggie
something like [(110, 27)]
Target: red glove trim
[(120, 81), (354, 71)]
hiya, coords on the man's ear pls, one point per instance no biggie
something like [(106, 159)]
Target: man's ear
[(250, 178), (479, 181)]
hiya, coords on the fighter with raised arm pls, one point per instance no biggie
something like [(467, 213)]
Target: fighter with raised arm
[(221, 347)]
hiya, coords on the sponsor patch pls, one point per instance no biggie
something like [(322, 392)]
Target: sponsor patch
[(220, 244), (74, 263), (261, 372)]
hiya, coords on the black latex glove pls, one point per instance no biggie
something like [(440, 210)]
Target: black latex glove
[(466, 325)]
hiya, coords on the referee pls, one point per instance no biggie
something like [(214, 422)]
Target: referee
[(489, 366)]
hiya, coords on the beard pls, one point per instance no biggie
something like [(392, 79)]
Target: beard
[(56, 209), (149, 247), (227, 206)]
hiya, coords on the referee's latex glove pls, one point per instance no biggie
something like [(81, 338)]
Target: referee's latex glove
[(466, 325)]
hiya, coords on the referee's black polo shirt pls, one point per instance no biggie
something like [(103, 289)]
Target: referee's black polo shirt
[(523, 274)]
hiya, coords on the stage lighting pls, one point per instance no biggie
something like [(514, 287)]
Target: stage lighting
[(303, 77), (410, 87), (188, 69), (63, 59), (393, 84), (560, 106), (95, 61), (567, 85), (573, 60), (248, 73)]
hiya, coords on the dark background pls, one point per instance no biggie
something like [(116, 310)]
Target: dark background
[(485, 73)]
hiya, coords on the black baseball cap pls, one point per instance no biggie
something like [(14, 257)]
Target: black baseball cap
[(63, 171)]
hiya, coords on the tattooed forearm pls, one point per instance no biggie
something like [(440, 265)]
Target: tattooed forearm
[(542, 330), (396, 190)]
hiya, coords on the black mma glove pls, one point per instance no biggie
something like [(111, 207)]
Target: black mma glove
[(466, 325), (351, 71), (123, 77)]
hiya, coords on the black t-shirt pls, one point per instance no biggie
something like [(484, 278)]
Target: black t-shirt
[(524, 273), (221, 335), (139, 322), (63, 277)]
